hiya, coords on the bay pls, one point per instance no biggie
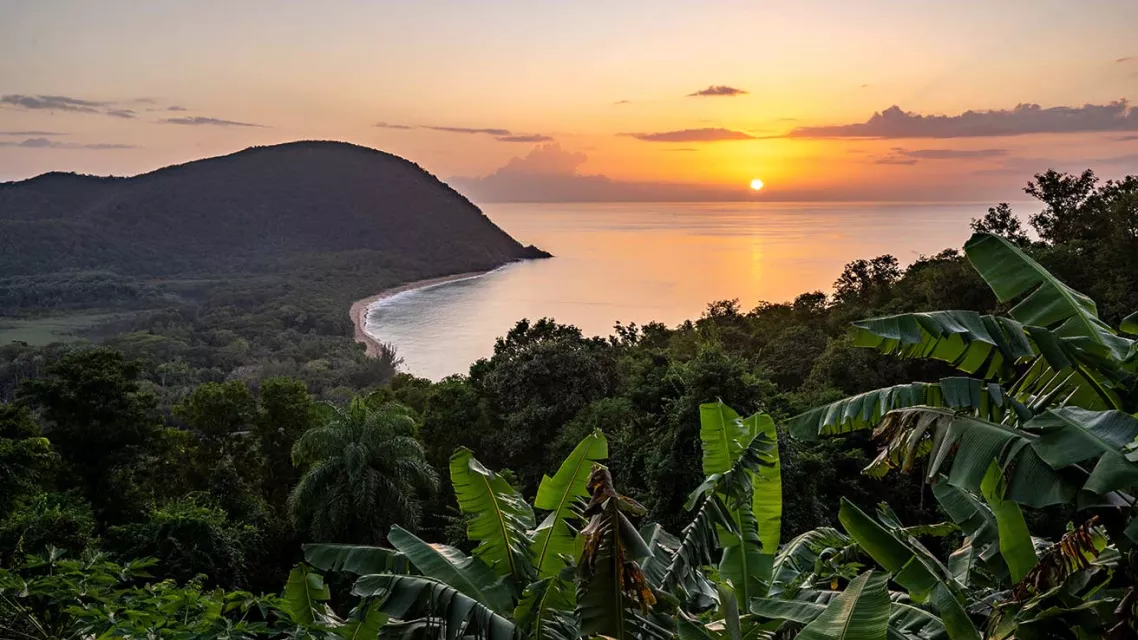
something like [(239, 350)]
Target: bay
[(643, 262)]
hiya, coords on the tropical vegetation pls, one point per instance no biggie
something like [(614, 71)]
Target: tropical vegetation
[(931, 474)]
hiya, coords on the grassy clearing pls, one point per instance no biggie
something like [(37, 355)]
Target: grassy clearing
[(46, 330)]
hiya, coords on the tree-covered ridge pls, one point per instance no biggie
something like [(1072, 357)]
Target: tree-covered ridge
[(1005, 426), (260, 209)]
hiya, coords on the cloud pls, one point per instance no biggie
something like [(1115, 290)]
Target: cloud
[(176, 108), (501, 135), (121, 113), (524, 138), (718, 90), (204, 121), (31, 133), (52, 103), (1126, 59), (952, 154), (682, 149), (491, 132), (1024, 119), (901, 156), (1126, 138), (623, 102), (692, 135), (45, 143)]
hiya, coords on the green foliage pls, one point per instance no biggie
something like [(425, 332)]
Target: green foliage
[(47, 520), (364, 472), (100, 418), (188, 538)]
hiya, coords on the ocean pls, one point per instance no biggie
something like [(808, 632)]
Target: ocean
[(643, 262)]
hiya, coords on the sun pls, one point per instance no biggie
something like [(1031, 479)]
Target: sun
[(756, 184)]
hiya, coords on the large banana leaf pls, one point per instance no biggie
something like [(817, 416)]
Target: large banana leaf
[(305, 594), (431, 609), (740, 458), (965, 447), (796, 561), (861, 612), (767, 493), (499, 518), (913, 567), (867, 410), (560, 495), (1071, 435), (1015, 540), (469, 575), (365, 623), (965, 339), (546, 609), (355, 559), (742, 561), (906, 622), (698, 541), (1044, 301), (974, 518), (723, 437)]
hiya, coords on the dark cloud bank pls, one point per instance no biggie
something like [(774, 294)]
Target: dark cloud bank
[(1024, 119)]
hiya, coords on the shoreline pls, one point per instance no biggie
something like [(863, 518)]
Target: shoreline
[(359, 308)]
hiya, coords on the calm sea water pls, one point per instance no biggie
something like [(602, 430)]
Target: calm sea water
[(652, 262)]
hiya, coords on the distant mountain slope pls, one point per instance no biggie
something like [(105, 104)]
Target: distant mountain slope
[(258, 209)]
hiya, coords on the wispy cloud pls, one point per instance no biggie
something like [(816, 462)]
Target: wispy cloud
[(45, 143), (524, 138), (499, 134), (490, 132), (623, 102), (899, 155), (692, 135), (1126, 138), (717, 90), (682, 149), (209, 122), (54, 103), (1024, 119), (176, 108), (951, 154), (1126, 59), (31, 133), (895, 160)]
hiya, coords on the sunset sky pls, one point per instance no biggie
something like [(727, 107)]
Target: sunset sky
[(826, 100)]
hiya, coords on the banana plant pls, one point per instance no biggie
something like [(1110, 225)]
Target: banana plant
[(1047, 421)]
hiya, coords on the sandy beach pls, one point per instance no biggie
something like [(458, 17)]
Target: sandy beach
[(359, 308)]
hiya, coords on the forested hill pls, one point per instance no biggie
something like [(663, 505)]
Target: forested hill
[(261, 208)]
